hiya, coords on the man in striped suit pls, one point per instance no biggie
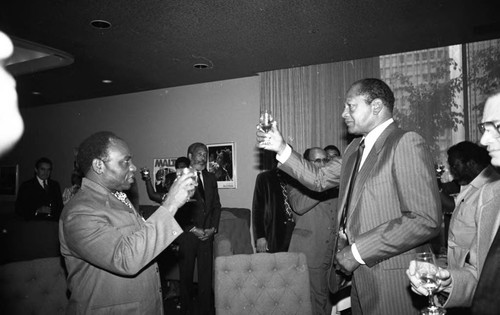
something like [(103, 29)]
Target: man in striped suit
[(391, 210)]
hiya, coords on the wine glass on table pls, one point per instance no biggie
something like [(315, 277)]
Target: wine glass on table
[(266, 121), (427, 271)]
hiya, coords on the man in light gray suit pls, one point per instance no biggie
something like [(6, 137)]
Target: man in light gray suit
[(459, 281), (314, 232), (393, 209)]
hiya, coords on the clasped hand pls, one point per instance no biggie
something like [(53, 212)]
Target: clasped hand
[(203, 234), (443, 275), (345, 262)]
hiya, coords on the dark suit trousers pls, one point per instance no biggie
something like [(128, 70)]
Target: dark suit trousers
[(192, 249), (486, 299)]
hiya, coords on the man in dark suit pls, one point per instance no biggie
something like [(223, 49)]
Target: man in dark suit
[(272, 223), (40, 197), (389, 203), (485, 301), (200, 220)]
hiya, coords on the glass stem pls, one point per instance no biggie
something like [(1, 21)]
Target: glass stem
[(431, 299)]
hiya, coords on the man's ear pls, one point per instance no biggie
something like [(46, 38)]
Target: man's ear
[(190, 155), (98, 166), (377, 105)]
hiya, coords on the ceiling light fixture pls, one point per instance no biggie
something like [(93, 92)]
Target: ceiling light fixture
[(30, 57), (100, 24), (200, 66)]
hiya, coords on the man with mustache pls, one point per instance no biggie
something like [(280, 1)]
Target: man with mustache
[(389, 205)]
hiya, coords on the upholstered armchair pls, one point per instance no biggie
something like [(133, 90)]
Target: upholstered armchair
[(234, 233), (262, 283)]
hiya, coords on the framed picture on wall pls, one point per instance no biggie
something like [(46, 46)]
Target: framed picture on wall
[(222, 162), (9, 181)]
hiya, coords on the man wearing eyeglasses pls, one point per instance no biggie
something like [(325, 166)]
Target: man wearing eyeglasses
[(314, 232), (477, 282), (485, 301), (470, 167)]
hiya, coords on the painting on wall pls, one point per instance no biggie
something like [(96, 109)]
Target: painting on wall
[(222, 162), (9, 181)]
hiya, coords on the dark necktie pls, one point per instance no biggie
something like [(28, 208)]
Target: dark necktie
[(200, 185), (354, 174), (45, 186)]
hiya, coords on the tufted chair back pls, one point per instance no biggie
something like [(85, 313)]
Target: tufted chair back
[(262, 283)]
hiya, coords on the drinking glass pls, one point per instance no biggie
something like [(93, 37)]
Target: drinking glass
[(427, 270), (145, 173), (192, 172), (266, 120)]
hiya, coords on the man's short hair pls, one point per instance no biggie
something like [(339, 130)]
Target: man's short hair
[(43, 160), (195, 146), (466, 151), (305, 155), (373, 88), (94, 147), (182, 159)]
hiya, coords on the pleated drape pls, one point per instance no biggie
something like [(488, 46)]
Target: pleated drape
[(307, 102)]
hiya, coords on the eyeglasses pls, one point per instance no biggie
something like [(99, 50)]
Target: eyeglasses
[(490, 125), (325, 160)]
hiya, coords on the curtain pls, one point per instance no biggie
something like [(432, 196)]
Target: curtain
[(307, 102)]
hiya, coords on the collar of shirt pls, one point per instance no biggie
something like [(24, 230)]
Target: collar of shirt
[(40, 181), (372, 137), (488, 174)]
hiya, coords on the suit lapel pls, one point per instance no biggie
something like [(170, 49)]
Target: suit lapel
[(347, 169), (367, 168), (488, 218)]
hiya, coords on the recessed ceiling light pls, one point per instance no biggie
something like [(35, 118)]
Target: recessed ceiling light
[(107, 81), (36, 93), (200, 66), (100, 24)]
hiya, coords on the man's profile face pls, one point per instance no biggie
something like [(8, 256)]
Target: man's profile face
[(43, 171), (357, 113), (491, 136), (118, 171)]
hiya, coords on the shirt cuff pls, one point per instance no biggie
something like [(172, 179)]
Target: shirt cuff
[(285, 155), (356, 254)]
